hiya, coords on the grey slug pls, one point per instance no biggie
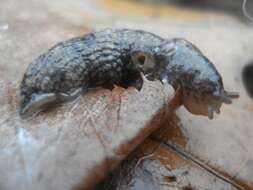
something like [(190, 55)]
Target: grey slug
[(118, 56)]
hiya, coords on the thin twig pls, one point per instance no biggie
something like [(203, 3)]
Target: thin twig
[(200, 163), (245, 12)]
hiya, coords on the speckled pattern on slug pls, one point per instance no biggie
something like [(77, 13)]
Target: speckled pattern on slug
[(114, 56)]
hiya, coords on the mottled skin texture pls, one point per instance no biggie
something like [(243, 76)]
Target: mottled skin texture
[(110, 56)]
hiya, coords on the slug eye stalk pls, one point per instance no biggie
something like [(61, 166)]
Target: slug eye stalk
[(225, 96)]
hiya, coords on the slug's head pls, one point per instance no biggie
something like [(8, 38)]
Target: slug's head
[(206, 103), (201, 84)]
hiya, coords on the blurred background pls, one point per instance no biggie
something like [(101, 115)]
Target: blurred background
[(222, 30)]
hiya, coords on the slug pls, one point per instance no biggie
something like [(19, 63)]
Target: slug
[(118, 56)]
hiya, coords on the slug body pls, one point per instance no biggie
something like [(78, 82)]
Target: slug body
[(108, 57)]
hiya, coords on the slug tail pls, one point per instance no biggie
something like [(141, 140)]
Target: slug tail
[(35, 103)]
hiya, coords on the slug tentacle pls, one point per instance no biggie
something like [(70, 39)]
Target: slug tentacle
[(226, 96), (231, 94), (210, 112)]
